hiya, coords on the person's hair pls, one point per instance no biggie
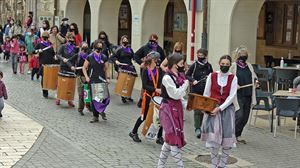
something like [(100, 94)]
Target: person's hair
[(153, 36), (47, 24), (202, 51), (178, 46), (22, 46), (55, 27), (238, 50), (1, 74), (30, 13), (124, 36), (174, 59), (84, 43), (96, 42), (151, 56), (225, 57), (75, 27), (103, 33)]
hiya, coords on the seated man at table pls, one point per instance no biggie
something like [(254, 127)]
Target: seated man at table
[(296, 85)]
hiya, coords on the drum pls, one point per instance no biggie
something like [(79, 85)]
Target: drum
[(157, 102), (199, 102), (125, 84), (99, 91), (50, 76), (66, 86)]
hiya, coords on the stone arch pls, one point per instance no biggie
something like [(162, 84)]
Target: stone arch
[(75, 12), (244, 21)]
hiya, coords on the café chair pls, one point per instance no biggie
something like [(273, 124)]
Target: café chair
[(263, 104), (284, 78), (287, 107), (265, 75), (268, 60)]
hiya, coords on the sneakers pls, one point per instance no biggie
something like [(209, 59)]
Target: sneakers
[(123, 99), (160, 141), (0, 114), (94, 120), (135, 137), (80, 112), (139, 104), (57, 102), (130, 99), (198, 133), (103, 115), (71, 104), (241, 141)]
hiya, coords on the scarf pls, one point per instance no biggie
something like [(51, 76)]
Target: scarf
[(149, 73), (70, 48), (180, 78), (83, 55), (97, 57), (127, 50), (153, 47), (241, 64), (45, 43)]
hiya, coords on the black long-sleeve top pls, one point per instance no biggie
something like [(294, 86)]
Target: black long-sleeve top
[(122, 56), (146, 49), (47, 56), (148, 84), (198, 72), (71, 57)]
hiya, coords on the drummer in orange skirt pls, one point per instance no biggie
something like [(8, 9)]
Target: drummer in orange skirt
[(96, 70), (123, 59), (68, 53), (151, 78)]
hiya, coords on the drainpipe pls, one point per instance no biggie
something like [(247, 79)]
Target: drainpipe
[(193, 29), (204, 28)]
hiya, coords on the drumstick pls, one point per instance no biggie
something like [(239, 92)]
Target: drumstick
[(123, 64), (244, 86), (46, 48), (62, 58), (77, 68)]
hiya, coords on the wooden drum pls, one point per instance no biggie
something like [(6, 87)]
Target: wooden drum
[(125, 84), (50, 76), (66, 86), (199, 102)]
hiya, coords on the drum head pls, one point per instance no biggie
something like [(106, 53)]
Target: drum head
[(157, 100), (67, 74)]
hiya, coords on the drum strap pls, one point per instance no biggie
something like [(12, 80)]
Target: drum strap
[(155, 83)]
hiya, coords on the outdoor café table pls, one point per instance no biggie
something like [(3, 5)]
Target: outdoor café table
[(284, 93)]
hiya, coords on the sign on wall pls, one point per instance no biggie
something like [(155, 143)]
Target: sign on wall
[(180, 22)]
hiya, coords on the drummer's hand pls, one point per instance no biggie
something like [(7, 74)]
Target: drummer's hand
[(87, 79), (215, 111), (257, 84), (108, 81), (65, 60), (142, 65), (238, 87), (40, 50), (158, 91), (55, 57), (118, 62), (195, 82), (73, 68)]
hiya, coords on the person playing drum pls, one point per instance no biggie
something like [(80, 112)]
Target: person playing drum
[(174, 85), (151, 78), (67, 54), (83, 54), (96, 71), (123, 59), (219, 125), (46, 56)]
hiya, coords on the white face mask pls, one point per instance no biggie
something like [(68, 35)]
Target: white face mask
[(65, 22), (29, 33)]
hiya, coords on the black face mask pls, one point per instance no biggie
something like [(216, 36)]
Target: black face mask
[(178, 51), (201, 59), (152, 42), (224, 69), (125, 43), (98, 50), (243, 58), (45, 38), (85, 49), (72, 42), (180, 69)]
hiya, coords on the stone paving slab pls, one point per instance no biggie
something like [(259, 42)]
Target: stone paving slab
[(17, 134)]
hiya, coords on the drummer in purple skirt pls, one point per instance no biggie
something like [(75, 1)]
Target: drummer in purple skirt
[(96, 71)]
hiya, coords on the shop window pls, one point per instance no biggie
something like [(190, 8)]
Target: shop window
[(282, 26)]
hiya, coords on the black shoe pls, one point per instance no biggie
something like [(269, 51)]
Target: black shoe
[(139, 104), (130, 99), (124, 100), (45, 96), (103, 115), (135, 137), (80, 112), (94, 120), (0, 115), (160, 141)]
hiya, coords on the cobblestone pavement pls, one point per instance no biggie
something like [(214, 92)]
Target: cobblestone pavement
[(69, 140), (15, 139)]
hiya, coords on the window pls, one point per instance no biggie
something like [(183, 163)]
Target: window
[(282, 26)]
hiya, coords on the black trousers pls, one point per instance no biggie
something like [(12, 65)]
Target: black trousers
[(45, 92), (35, 71), (6, 56), (242, 115), (140, 120)]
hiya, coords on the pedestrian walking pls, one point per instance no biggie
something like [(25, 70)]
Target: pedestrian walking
[(6, 49), (14, 50), (22, 59), (35, 66), (3, 93)]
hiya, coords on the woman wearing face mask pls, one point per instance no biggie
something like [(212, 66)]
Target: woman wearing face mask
[(82, 56), (56, 39), (173, 89), (16, 29), (123, 58), (151, 78), (68, 54), (96, 70), (218, 126), (197, 75), (64, 27), (74, 29), (45, 27), (246, 95)]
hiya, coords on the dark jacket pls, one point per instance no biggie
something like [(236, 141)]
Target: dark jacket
[(47, 56), (198, 72), (146, 49), (64, 29), (147, 84), (71, 57), (3, 92)]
